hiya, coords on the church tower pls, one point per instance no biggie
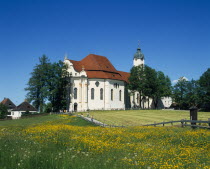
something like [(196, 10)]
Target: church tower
[(138, 58)]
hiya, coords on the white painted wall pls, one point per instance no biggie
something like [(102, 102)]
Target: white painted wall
[(167, 101), (84, 100), (18, 114), (137, 62), (15, 114)]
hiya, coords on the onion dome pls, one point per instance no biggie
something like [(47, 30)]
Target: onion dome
[(139, 54)]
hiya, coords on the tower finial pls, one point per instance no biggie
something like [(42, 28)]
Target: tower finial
[(65, 56), (138, 43)]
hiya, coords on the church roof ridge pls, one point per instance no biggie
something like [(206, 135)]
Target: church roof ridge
[(97, 66)]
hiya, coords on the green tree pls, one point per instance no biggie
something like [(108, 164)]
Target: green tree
[(48, 84), (204, 82), (148, 82), (137, 81), (193, 94), (3, 111), (180, 91), (162, 87), (57, 86), (37, 84), (150, 85)]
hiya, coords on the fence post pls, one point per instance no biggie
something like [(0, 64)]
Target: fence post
[(182, 123), (193, 115), (209, 121)]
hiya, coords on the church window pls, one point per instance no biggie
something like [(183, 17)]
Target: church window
[(137, 98), (92, 93), (120, 95), (101, 94), (111, 94), (75, 93)]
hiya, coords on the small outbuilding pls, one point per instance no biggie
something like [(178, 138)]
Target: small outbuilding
[(23, 108)]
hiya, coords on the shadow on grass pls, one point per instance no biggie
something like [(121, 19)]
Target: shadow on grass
[(77, 121)]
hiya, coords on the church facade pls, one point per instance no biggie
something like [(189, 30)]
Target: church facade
[(95, 84)]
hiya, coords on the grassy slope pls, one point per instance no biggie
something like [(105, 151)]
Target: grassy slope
[(138, 117), (28, 121), (33, 121), (46, 142)]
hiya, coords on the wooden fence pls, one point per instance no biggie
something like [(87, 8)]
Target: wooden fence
[(185, 123), (182, 123)]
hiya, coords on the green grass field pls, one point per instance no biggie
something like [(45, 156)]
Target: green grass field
[(140, 117), (64, 142)]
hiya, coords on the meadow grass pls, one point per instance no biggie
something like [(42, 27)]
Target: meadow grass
[(28, 121), (64, 142), (140, 117)]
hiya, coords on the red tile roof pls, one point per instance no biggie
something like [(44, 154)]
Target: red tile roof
[(7, 102), (125, 76), (97, 66), (103, 75)]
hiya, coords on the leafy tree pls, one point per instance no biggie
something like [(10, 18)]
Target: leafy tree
[(48, 84), (179, 92), (137, 80), (47, 108), (148, 82), (193, 94), (162, 87), (3, 111), (57, 86), (37, 84), (204, 82), (150, 85)]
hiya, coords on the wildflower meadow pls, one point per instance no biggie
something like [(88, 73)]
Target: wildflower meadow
[(64, 142)]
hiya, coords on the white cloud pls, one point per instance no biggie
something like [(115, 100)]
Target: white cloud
[(175, 81)]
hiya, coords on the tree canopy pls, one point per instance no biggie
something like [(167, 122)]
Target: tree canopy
[(47, 84), (3, 111), (193, 93), (204, 83), (149, 82)]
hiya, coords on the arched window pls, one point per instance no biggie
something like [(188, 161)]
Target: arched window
[(101, 94), (120, 95), (75, 93), (137, 98), (111, 94), (92, 93)]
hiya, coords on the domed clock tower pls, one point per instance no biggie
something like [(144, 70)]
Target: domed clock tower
[(138, 58)]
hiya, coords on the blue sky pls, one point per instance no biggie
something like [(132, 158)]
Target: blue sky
[(174, 36)]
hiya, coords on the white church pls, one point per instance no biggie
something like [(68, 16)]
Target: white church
[(95, 84)]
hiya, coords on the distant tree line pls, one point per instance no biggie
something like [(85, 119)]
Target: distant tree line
[(193, 93), (46, 88), (155, 84)]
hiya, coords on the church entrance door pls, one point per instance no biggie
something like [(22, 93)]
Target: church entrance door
[(75, 107)]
